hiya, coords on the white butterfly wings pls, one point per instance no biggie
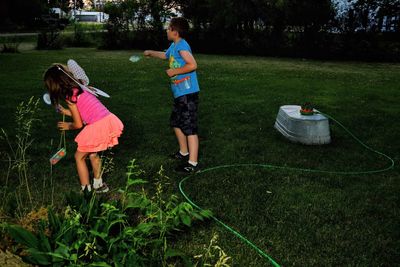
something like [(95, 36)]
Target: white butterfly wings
[(78, 72), (81, 76)]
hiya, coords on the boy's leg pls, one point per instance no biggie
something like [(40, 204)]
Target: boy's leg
[(193, 143), (83, 172), (182, 140), (189, 129)]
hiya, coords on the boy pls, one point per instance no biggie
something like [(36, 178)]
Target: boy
[(185, 88)]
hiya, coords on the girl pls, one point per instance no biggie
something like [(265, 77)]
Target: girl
[(101, 127)]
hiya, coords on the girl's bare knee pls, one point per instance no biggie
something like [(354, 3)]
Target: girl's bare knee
[(93, 156), (80, 155)]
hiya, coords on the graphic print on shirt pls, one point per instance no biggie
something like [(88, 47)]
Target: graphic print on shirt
[(173, 64), (179, 84)]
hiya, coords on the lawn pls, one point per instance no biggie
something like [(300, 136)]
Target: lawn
[(298, 218)]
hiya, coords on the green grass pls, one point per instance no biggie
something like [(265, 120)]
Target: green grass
[(300, 219)]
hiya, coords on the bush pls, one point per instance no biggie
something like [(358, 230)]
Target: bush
[(49, 36), (82, 36), (49, 40), (10, 44)]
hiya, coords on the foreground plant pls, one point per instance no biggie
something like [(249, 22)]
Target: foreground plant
[(17, 154), (213, 255), (133, 229)]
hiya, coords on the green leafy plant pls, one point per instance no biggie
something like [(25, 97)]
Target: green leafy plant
[(131, 229)]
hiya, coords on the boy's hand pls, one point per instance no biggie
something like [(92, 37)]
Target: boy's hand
[(147, 53), (156, 54), (171, 72)]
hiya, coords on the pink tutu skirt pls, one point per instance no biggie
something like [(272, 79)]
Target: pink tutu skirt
[(100, 135)]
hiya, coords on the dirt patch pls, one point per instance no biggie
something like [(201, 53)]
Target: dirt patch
[(10, 260)]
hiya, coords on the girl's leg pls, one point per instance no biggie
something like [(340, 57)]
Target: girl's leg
[(182, 140), (82, 168), (98, 184), (95, 160)]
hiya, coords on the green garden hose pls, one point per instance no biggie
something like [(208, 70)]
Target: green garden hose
[(244, 239)]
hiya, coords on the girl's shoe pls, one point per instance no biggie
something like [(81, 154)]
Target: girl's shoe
[(102, 189)]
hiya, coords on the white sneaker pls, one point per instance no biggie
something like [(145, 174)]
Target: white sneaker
[(102, 189)]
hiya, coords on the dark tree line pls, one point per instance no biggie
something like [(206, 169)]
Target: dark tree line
[(311, 28), (367, 29)]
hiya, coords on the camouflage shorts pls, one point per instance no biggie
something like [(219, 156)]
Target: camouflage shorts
[(184, 113)]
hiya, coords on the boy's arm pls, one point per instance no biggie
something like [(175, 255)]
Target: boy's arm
[(190, 65), (157, 54)]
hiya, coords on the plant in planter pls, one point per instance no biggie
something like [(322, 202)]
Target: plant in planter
[(307, 109)]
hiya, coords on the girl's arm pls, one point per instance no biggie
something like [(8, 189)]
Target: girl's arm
[(191, 64), (76, 117), (157, 54)]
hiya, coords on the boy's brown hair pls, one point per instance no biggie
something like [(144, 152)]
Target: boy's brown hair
[(181, 25)]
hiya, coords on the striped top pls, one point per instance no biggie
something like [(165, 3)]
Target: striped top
[(90, 108)]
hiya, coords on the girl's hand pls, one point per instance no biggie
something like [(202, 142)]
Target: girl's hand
[(63, 126), (64, 111), (171, 72)]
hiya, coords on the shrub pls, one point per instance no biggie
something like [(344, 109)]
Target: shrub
[(10, 45), (82, 37), (49, 36)]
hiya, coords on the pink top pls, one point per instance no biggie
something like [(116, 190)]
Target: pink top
[(90, 108)]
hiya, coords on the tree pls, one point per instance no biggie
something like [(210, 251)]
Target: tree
[(63, 4), (310, 15), (21, 14)]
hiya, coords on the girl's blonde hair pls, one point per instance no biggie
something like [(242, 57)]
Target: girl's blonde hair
[(59, 84)]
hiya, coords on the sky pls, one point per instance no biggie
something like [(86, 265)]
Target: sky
[(343, 5)]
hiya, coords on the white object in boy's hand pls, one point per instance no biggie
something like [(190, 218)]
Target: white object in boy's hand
[(134, 58)]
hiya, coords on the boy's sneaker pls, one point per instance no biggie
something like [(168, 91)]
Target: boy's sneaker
[(187, 168), (102, 189), (179, 156)]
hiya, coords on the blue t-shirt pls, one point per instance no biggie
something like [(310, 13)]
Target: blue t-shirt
[(186, 83)]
